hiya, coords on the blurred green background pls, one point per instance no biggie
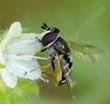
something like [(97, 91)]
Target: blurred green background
[(85, 21)]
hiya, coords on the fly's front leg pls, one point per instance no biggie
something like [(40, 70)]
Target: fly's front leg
[(50, 63), (53, 65)]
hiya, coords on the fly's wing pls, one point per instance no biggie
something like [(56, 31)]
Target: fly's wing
[(87, 52)]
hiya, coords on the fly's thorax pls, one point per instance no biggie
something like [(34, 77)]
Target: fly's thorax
[(51, 52), (51, 49)]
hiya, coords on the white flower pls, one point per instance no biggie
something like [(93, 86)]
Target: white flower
[(17, 58)]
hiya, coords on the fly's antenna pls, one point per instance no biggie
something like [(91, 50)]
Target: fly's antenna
[(45, 26)]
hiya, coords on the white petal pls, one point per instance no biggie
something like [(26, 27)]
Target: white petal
[(32, 75), (2, 60), (27, 45), (20, 66), (9, 79), (14, 31)]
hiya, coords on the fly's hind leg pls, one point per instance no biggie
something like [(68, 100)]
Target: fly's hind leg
[(50, 74), (47, 66)]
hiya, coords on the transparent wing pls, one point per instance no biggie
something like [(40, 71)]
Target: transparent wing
[(87, 52)]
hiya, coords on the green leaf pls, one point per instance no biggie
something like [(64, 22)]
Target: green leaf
[(2, 97), (14, 100), (28, 86), (32, 89)]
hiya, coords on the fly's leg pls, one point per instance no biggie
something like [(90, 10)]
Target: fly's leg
[(53, 64), (57, 75), (47, 66), (50, 74), (50, 63)]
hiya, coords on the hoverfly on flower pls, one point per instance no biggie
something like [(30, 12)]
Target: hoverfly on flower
[(60, 53)]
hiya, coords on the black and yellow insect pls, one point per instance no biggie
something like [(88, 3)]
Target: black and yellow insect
[(60, 52)]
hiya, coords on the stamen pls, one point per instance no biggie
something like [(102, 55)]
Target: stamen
[(21, 42), (33, 60), (35, 57), (45, 80), (26, 57)]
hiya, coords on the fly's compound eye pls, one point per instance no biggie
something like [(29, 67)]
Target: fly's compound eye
[(49, 37)]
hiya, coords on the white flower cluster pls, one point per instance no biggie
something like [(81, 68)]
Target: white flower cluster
[(17, 58)]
